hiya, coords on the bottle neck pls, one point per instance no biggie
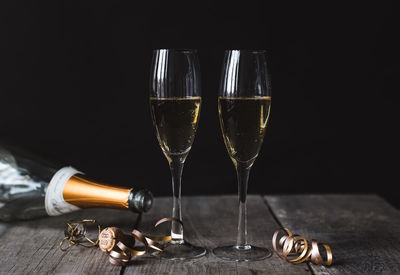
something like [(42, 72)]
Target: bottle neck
[(85, 193)]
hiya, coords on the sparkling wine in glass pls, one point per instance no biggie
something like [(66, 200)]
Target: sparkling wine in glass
[(244, 105), (175, 103)]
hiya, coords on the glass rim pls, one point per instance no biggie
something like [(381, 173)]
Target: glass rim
[(179, 50), (246, 50)]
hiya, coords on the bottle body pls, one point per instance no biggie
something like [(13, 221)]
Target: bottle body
[(31, 188)]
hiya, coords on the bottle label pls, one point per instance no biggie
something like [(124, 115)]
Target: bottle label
[(54, 201)]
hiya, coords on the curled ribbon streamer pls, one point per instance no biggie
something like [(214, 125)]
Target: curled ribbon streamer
[(121, 254), (75, 234), (300, 247), (283, 242), (297, 249)]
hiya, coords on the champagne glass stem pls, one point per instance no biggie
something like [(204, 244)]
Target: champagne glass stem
[(243, 178), (176, 167)]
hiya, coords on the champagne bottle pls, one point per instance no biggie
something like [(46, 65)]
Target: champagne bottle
[(30, 188)]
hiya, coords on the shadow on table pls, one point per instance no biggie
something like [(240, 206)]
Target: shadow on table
[(104, 217)]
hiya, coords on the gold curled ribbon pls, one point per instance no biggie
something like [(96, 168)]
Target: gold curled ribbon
[(75, 234), (297, 249), (121, 253)]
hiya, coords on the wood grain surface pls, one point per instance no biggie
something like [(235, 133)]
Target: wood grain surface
[(363, 231)]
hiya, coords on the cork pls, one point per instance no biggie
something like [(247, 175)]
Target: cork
[(110, 236)]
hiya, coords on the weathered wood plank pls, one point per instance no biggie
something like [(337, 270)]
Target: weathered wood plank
[(33, 246), (363, 230), (3, 228), (210, 222)]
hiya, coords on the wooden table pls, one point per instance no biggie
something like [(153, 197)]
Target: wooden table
[(363, 231)]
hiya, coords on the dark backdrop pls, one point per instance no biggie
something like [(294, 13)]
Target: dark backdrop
[(75, 79)]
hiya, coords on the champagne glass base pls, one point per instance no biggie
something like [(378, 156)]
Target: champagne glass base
[(242, 254), (184, 251)]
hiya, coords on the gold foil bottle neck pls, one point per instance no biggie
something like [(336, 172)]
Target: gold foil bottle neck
[(86, 193)]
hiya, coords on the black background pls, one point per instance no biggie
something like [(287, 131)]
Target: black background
[(75, 81)]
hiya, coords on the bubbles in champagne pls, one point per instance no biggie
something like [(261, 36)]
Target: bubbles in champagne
[(176, 121), (243, 123)]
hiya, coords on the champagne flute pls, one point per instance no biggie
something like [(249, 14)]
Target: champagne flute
[(243, 106), (175, 107)]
